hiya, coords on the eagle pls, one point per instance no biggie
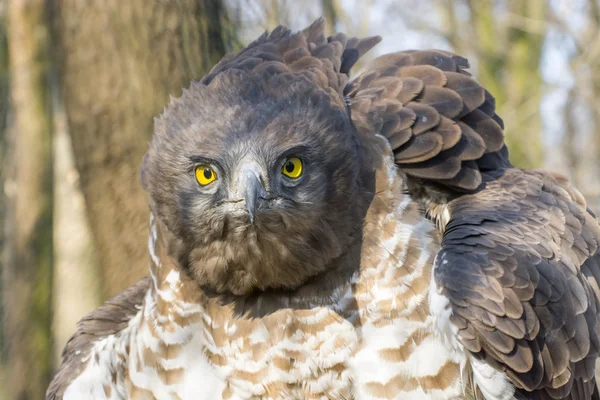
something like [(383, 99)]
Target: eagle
[(320, 236)]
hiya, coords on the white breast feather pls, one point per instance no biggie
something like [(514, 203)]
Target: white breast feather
[(102, 360)]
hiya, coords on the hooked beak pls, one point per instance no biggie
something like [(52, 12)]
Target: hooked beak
[(251, 189)]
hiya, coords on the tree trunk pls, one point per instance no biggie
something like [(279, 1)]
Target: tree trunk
[(508, 52), (76, 284), (330, 13), (4, 102), (28, 270), (119, 62), (524, 89)]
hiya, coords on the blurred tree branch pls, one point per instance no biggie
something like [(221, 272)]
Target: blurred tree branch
[(276, 13), (76, 283), (584, 64), (504, 40), (4, 111), (28, 270), (331, 15), (569, 141)]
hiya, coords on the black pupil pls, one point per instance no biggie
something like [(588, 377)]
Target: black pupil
[(207, 173), (289, 167)]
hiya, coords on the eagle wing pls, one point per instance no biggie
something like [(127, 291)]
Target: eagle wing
[(520, 267), (107, 320), (441, 124), (519, 264)]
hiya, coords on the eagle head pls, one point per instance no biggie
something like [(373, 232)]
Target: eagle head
[(258, 175)]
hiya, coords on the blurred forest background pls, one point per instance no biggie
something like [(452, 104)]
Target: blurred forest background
[(80, 82)]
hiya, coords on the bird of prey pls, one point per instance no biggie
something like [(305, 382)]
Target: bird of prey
[(316, 236)]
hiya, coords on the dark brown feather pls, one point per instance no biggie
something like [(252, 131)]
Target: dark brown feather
[(446, 100), (325, 61), (519, 232), (450, 132), (421, 147)]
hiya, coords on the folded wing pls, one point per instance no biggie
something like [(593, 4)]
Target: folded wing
[(520, 266)]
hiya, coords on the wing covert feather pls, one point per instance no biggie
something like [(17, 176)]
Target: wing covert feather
[(520, 265), (429, 93)]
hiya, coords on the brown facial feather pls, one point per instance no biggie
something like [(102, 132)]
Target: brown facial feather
[(248, 109)]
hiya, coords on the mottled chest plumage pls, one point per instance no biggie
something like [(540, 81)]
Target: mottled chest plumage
[(363, 331), (370, 336)]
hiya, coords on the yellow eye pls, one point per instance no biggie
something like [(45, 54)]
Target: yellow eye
[(205, 175), (292, 168)]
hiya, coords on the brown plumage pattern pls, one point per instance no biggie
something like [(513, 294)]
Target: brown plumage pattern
[(520, 265), (507, 309), (522, 252), (325, 61), (441, 123)]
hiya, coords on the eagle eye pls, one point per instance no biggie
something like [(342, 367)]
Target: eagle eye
[(292, 168), (205, 175)]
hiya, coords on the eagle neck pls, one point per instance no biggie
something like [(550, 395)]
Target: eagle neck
[(171, 285)]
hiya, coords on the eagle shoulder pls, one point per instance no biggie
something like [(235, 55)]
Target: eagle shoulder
[(107, 320)]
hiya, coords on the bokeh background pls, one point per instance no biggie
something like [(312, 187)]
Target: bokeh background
[(80, 82)]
